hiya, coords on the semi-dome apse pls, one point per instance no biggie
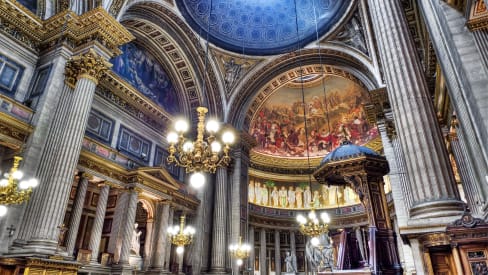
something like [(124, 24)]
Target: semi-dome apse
[(262, 27)]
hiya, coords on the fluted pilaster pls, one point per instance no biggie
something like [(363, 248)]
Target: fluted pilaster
[(263, 268), (76, 211), (219, 222), (277, 252), (96, 233), (427, 162), (161, 228), (128, 227)]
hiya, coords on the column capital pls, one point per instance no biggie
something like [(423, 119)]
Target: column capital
[(86, 175), (88, 65)]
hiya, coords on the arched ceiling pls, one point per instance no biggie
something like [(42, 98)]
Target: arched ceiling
[(263, 27)]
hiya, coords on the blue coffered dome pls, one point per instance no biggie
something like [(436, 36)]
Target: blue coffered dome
[(347, 151), (262, 27)]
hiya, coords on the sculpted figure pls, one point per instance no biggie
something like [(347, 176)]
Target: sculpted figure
[(264, 195), (275, 197), (307, 197), (290, 265), (135, 244), (325, 195), (291, 197), (299, 197), (316, 199), (257, 192), (250, 192), (283, 198)]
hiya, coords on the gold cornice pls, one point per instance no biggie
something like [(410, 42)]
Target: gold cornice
[(13, 132), (285, 163), (103, 166), (279, 177), (121, 88), (95, 24)]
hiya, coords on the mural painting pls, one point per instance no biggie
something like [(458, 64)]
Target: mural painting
[(299, 195), (143, 71), (30, 4), (279, 125)]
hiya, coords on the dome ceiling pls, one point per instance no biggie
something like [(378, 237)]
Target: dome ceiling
[(279, 125), (258, 27)]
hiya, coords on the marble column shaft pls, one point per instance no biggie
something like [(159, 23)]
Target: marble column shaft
[(427, 162), (293, 247), (76, 211), (128, 228), (219, 222), (96, 233), (277, 252), (161, 236), (262, 252)]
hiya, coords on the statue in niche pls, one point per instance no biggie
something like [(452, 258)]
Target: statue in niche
[(264, 195), (316, 199), (135, 245), (299, 197), (232, 71), (275, 197), (307, 197), (290, 263), (283, 197), (325, 195), (250, 190), (257, 192), (291, 197)]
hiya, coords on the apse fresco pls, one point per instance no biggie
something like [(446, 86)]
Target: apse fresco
[(143, 71), (30, 4), (279, 125)]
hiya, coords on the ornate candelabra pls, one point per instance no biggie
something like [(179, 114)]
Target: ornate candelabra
[(13, 190), (313, 226), (240, 251), (181, 235), (201, 155)]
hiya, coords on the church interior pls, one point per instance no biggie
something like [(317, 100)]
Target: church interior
[(254, 137)]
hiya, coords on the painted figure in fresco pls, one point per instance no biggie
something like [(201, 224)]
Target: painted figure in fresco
[(257, 192), (340, 195), (250, 192), (307, 197), (333, 195), (316, 199), (291, 197), (325, 195), (232, 71), (275, 197), (264, 195), (135, 242), (299, 197), (283, 198)]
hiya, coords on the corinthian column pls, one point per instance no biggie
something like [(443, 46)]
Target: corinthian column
[(427, 162), (45, 211), (263, 268), (277, 252), (219, 227), (76, 211), (161, 237), (128, 228), (96, 233)]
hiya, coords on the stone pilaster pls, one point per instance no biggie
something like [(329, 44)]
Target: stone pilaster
[(96, 233), (76, 211), (235, 207), (251, 254), (427, 162), (293, 247), (161, 238), (45, 210), (128, 228), (263, 268), (219, 223), (277, 252), (167, 252)]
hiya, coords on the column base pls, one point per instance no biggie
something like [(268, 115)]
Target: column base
[(122, 269), (37, 247), (157, 271), (437, 209), (218, 272)]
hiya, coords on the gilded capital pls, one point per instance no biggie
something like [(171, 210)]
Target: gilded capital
[(88, 65)]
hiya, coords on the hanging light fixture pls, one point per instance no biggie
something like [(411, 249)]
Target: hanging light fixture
[(240, 251), (181, 235), (312, 225), (202, 155), (14, 190)]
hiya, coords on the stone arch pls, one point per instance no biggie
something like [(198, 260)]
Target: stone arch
[(161, 30), (356, 65)]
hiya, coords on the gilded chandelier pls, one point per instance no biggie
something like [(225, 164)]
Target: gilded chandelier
[(181, 235), (313, 226), (12, 189), (201, 155), (240, 251)]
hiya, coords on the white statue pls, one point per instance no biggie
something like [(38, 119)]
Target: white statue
[(251, 194), (307, 197), (135, 244), (257, 192), (290, 263)]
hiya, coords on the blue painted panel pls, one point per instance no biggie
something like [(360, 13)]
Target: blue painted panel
[(143, 71), (259, 27), (30, 4)]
